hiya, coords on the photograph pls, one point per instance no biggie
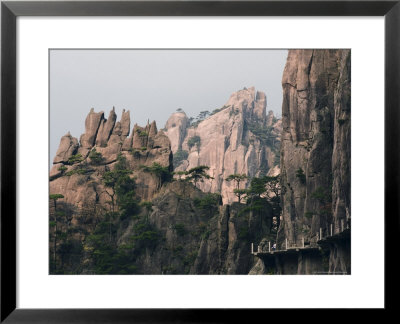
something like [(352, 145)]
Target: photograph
[(199, 161)]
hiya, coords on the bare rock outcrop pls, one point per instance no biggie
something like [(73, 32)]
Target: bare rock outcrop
[(78, 169), (68, 147), (125, 123), (105, 129), (341, 206), (92, 124), (176, 127), (315, 150), (237, 138)]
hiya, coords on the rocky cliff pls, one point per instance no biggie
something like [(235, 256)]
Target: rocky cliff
[(315, 151), (238, 138), (78, 166), (196, 237), (114, 209)]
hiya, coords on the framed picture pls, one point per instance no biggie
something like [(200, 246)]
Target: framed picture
[(252, 165)]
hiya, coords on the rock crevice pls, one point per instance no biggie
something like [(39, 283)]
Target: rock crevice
[(315, 151)]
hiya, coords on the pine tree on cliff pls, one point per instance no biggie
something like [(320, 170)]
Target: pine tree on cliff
[(198, 173), (162, 173), (238, 178), (55, 197)]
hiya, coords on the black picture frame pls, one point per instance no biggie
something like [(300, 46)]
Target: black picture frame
[(10, 10)]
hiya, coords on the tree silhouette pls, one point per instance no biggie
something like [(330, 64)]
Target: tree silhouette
[(198, 173), (194, 140), (238, 178), (162, 173), (149, 207), (180, 174), (55, 197)]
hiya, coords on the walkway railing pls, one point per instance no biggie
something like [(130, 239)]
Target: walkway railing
[(268, 247)]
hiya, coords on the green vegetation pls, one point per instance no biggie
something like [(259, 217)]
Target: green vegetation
[(201, 230), (237, 178), (203, 115), (148, 205), (55, 197), (142, 133), (62, 169), (218, 110), (263, 134), (197, 174), (300, 174), (194, 122), (189, 260), (64, 248), (233, 112), (209, 202), (122, 187), (179, 156), (180, 229), (162, 173), (180, 174), (243, 233), (81, 170), (324, 197), (239, 193), (108, 257), (308, 214), (145, 235), (262, 192), (95, 157), (75, 158), (56, 232), (106, 254), (195, 140)]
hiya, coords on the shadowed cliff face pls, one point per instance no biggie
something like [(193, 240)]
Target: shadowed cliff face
[(196, 240), (315, 150), (237, 138)]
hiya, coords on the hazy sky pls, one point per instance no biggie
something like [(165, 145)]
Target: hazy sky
[(152, 84)]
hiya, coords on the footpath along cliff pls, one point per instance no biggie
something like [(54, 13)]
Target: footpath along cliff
[(315, 162)]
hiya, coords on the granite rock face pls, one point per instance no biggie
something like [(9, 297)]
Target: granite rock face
[(315, 150), (237, 138), (197, 241), (68, 147), (191, 239), (105, 129), (79, 179), (176, 127), (341, 206), (92, 124)]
